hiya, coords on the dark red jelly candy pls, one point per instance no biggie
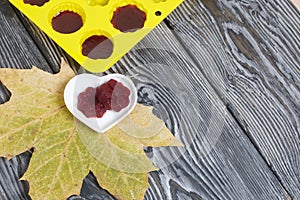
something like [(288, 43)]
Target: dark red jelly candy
[(112, 95), (118, 103), (67, 22), (97, 47), (107, 104), (104, 96), (128, 18), (112, 83), (86, 102), (88, 96), (120, 97), (100, 110), (36, 2), (103, 88), (121, 90)]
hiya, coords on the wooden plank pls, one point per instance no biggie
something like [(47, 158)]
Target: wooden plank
[(13, 189), (18, 50), (250, 55), (25, 45), (10, 172), (50, 50), (219, 161), (92, 190)]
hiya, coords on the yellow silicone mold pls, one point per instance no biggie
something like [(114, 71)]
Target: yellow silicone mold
[(96, 33)]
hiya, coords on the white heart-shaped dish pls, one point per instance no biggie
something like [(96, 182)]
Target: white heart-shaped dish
[(80, 83)]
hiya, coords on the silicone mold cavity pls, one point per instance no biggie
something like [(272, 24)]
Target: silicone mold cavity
[(128, 18), (66, 18), (95, 15), (97, 46), (36, 2)]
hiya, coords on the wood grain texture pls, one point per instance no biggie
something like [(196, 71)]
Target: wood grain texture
[(219, 161), (10, 173), (91, 190), (251, 56), (18, 50), (48, 48), (197, 172)]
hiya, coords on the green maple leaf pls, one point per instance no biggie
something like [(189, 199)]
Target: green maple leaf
[(66, 150)]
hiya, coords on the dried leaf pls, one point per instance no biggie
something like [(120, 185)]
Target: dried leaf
[(65, 150)]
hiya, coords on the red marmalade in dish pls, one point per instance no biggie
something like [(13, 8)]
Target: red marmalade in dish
[(112, 95)]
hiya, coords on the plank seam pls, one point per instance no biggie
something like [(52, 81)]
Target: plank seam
[(251, 139), (18, 14), (168, 24)]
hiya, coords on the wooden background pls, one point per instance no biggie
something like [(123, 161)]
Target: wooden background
[(225, 77)]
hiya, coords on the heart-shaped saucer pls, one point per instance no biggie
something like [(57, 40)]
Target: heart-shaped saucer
[(80, 83)]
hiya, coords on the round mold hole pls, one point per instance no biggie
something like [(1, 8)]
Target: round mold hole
[(157, 13), (67, 18), (97, 46), (128, 18), (36, 2)]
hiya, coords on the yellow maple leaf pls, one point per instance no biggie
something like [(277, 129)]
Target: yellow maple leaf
[(65, 149)]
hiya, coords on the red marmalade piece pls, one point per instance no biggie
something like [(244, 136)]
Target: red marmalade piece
[(97, 47), (67, 22), (36, 2), (112, 95), (128, 18)]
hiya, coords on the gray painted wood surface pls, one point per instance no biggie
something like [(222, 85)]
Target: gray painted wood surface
[(18, 50), (223, 75), (258, 65)]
